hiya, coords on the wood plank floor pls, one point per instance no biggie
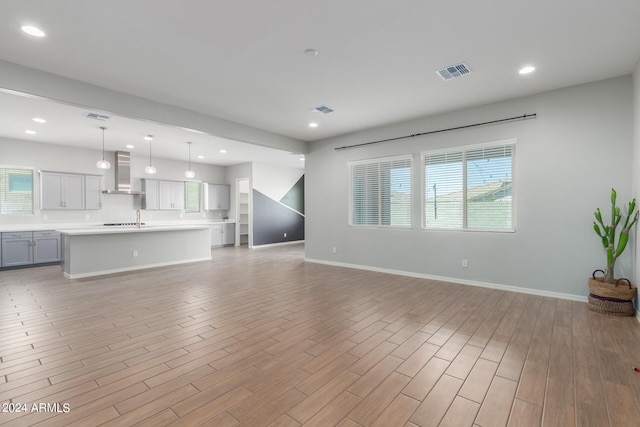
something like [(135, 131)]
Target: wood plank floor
[(261, 338)]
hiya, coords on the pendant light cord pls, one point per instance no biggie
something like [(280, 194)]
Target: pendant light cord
[(103, 129)]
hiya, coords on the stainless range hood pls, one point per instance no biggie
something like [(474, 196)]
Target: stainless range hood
[(123, 175)]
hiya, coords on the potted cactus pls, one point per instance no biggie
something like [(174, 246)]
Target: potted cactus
[(606, 292)]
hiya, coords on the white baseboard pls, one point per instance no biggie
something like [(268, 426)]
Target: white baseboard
[(271, 245), (133, 268), (529, 291)]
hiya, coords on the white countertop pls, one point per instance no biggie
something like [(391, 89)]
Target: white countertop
[(130, 229), (85, 225)]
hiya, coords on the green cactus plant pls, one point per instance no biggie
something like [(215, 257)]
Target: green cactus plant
[(608, 233)]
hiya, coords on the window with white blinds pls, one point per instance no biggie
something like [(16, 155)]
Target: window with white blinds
[(192, 196), (380, 192), (16, 191), (470, 188)]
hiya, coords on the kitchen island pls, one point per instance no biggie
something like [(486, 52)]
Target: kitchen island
[(104, 250)]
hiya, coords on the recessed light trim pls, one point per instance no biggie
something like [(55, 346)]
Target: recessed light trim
[(311, 52), (527, 69), (30, 132), (39, 120), (33, 31)]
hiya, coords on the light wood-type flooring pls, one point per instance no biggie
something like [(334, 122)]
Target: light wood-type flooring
[(261, 338)]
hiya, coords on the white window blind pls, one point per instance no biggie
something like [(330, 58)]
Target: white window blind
[(443, 190), (16, 191), (192, 196), (380, 192), (470, 188)]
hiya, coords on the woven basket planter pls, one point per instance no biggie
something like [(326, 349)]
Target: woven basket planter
[(613, 308), (614, 299)]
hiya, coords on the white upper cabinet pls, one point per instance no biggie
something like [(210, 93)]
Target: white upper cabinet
[(92, 192), (150, 197), (171, 195), (62, 191), (217, 197), (164, 195)]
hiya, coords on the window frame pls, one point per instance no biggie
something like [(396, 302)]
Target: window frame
[(5, 182), (378, 161), (464, 150)]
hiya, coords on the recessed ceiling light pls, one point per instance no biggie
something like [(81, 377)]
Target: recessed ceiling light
[(30, 132), (33, 31), (223, 151), (201, 156), (313, 125), (311, 52), (148, 137), (302, 158), (130, 146), (526, 70), (39, 120)]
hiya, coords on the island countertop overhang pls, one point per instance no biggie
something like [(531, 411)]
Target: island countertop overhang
[(129, 229)]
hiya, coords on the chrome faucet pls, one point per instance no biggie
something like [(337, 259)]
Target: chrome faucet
[(137, 218)]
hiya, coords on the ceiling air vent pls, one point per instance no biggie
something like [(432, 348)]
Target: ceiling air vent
[(454, 71), (97, 116), (322, 109)]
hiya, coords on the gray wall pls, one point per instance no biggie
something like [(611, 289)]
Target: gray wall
[(567, 160)]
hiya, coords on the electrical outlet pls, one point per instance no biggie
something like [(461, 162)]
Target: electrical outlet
[(87, 216), (44, 217), (464, 263), (334, 249), (285, 234), (134, 253)]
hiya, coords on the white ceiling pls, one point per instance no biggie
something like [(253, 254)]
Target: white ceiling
[(244, 60)]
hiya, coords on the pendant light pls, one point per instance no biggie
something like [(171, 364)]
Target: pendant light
[(151, 170), (103, 164), (190, 173)]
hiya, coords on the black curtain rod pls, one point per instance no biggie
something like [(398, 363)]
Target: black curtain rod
[(523, 117)]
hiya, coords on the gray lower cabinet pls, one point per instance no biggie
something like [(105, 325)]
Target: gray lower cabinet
[(216, 235), (228, 234), (17, 248), (29, 247), (46, 246), (223, 234)]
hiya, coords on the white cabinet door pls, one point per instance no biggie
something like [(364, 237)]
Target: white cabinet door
[(93, 193), (150, 199), (216, 235), (51, 188), (73, 191), (177, 195), (229, 234), (218, 196), (164, 195), (61, 191)]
